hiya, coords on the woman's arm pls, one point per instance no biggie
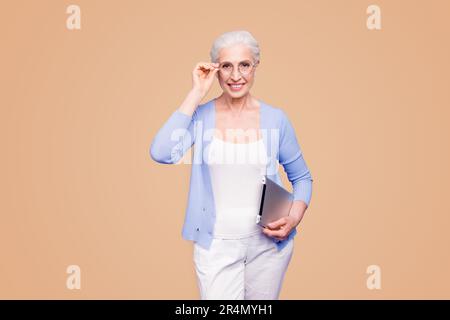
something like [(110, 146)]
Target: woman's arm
[(176, 135), (300, 177), (291, 157), (297, 171)]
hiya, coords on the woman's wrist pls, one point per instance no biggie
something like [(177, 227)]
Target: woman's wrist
[(297, 211), (196, 94), (191, 102)]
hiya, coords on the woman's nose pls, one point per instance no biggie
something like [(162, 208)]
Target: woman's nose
[(235, 75)]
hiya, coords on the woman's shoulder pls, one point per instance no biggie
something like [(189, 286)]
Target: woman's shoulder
[(274, 111)]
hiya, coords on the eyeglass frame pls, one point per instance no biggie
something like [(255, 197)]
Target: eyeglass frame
[(253, 65)]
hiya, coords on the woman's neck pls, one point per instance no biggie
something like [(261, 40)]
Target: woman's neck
[(236, 105)]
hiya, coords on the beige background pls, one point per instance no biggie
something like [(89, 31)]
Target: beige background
[(80, 108)]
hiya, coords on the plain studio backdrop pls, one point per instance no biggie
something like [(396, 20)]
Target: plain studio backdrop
[(79, 109)]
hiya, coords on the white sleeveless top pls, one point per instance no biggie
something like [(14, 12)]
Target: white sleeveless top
[(236, 171)]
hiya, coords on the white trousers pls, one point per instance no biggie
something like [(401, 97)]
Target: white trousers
[(250, 268)]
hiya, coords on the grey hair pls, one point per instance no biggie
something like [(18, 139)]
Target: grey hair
[(231, 38)]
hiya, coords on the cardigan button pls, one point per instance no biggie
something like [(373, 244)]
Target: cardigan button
[(198, 229), (204, 209)]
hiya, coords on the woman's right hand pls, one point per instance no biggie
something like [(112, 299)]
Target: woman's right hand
[(203, 77)]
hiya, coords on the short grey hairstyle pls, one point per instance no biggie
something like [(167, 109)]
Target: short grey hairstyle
[(231, 38)]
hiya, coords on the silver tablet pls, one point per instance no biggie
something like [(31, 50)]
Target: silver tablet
[(276, 202)]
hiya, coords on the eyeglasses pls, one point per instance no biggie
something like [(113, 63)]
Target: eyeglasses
[(244, 67)]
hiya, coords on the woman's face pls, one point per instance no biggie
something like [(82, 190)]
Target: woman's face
[(236, 68)]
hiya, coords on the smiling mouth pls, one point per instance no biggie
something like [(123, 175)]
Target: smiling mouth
[(236, 86)]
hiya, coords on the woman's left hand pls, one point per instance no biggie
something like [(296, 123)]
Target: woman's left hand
[(281, 228)]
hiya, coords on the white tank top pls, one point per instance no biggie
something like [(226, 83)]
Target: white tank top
[(236, 171)]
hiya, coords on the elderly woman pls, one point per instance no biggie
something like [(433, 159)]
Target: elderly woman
[(237, 139)]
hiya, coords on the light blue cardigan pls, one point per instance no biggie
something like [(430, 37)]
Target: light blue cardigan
[(181, 131)]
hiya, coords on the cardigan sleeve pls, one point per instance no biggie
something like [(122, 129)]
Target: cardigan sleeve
[(291, 157), (174, 138)]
